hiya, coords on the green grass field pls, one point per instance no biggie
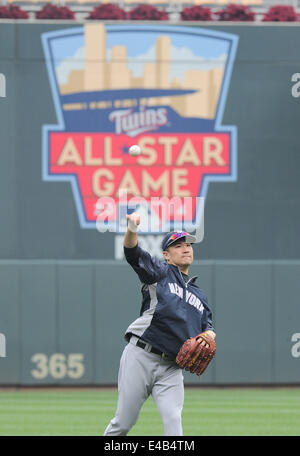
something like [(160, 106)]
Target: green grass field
[(208, 412)]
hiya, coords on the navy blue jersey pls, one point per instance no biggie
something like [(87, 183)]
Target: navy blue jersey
[(172, 309)]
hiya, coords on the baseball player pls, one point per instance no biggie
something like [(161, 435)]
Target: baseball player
[(173, 310)]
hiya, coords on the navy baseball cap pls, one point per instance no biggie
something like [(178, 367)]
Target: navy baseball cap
[(173, 236)]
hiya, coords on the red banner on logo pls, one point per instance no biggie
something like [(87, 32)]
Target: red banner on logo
[(170, 165)]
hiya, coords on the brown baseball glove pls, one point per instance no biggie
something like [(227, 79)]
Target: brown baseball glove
[(196, 353)]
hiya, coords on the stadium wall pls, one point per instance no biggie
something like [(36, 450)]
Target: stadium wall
[(67, 296), (64, 321)]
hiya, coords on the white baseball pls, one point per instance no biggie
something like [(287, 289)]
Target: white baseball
[(135, 150)]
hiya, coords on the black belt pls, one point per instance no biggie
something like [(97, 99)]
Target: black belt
[(153, 350)]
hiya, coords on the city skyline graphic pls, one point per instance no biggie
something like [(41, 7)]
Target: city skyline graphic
[(96, 67)]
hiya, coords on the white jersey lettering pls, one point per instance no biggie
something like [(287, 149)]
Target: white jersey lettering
[(194, 301), (176, 289), (190, 298)]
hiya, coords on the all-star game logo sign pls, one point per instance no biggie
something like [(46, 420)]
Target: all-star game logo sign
[(161, 87)]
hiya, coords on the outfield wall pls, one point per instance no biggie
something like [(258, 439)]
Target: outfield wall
[(64, 321), (67, 296)]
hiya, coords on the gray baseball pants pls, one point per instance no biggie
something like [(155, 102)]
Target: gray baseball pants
[(142, 373)]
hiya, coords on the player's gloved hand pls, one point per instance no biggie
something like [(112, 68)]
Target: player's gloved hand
[(134, 220), (196, 353)]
